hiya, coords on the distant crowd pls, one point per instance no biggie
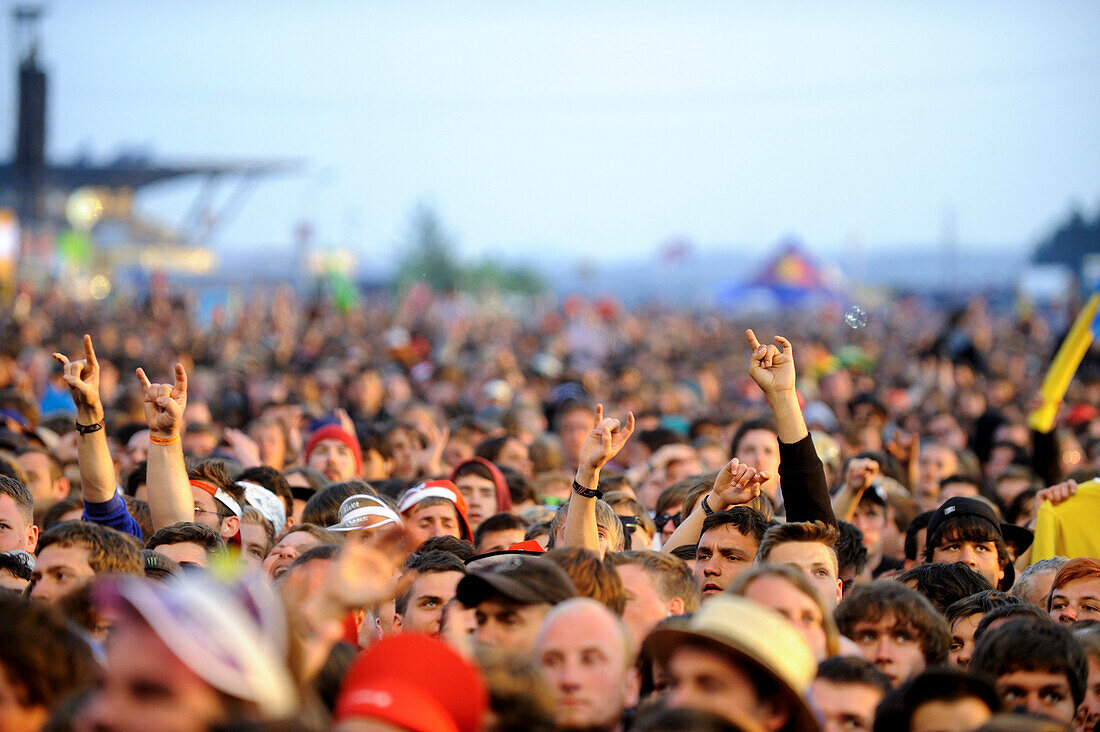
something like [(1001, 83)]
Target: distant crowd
[(449, 514)]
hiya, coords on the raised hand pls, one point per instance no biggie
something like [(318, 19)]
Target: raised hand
[(366, 570), (861, 473), (244, 448), (82, 378), (430, 458), (736, 484), (1058, 492), (605, 440), (164, 404), (770, 368), (903, 446)]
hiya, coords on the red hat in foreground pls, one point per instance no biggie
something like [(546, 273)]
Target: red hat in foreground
[(414, 682)]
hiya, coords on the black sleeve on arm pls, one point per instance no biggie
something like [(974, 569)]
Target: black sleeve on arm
[(802, 483), (1045, 459)]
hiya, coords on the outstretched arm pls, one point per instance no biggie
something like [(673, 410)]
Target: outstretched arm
[(603, 443), (102, 504), (170, 499), (802, 481), (737, 484)]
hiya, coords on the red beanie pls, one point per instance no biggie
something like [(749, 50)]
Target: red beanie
[(336, 432)]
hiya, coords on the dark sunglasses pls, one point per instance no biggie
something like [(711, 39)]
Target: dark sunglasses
[(663, 518)]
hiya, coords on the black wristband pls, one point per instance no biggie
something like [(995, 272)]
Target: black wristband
[(87, 429), (580, 490), (706, 507)]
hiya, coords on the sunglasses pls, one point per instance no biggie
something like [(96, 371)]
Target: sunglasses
[(663, 518)]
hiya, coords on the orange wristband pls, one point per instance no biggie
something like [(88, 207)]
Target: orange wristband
[(161, 441)]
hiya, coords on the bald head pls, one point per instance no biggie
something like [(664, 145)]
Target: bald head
[(585, 652)]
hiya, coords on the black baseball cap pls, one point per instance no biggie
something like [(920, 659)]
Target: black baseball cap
[(528, 580), (1019, 537)]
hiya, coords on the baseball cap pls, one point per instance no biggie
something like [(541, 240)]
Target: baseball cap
[(417, 683), (754, 635), (232, 636), (528, 580), (959, 506)]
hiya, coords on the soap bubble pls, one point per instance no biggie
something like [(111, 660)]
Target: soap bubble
[(855, 317)]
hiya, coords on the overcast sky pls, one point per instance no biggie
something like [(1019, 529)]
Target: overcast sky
[(597, 129)]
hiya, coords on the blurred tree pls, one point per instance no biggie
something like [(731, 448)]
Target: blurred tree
[(1070, 242), (429, 256)]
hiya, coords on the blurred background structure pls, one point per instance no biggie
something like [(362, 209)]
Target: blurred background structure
[(700, 154)]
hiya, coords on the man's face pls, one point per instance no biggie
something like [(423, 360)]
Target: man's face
[(870, 518), (36, 469), (981, 556), (1076, 601), (1088, 714), (845, 707), (760, 449), (481, 498), (187, 553), (427, 596), (644, 606), (893, 647), (1042, 693), (269, 438), (423, 523), (16, 531), (206, 509), (815, 561), (253, 544), (403, 448), (508, 625), (959, 714), (962, 640), (333, 458), (515, 455), (283, 554), (573, 428), (704, 679), (935, 463), (583, 657), (147, 688), (59, 570), (790, 602), (724, 552), (492, 541)]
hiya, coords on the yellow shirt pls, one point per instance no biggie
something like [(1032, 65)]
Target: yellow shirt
[(1070, 529)]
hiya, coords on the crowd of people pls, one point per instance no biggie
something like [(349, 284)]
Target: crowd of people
[(443, 514)]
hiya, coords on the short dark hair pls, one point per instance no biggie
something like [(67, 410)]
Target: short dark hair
[(968, 528), (59, 509), (748, 521), (108, 550), (499, 522), (817, 532), (933, 685), (138, 475), (853, 670), (979, 603), (426, 562), (944, 583), (748, 426), (273, 480), (871, 601), (1022, 645), (19, 494), (216, 472), (11, 562), (850, 551), (671, 576), (44, 659), (1022, 611), (187, 532), (323, 507), (322, 551), (685, 552), (920, 521), (461, 548)]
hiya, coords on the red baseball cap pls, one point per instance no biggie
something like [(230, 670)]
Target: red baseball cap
[(417, 683)]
